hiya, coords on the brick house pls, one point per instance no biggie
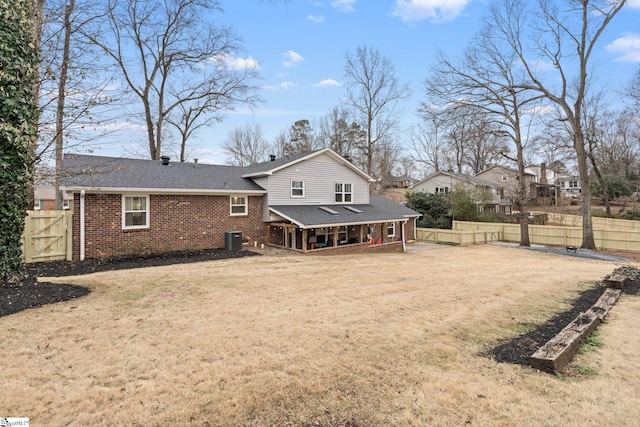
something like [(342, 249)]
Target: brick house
[(314, 202)]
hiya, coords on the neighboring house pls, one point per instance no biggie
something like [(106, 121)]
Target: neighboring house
[(44, 197), (543, 190), (507, 179), (307, 202), (569, 185), (487, 194), (401, 182)]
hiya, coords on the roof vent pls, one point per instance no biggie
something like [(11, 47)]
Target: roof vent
[(165, 160), (272, 157)]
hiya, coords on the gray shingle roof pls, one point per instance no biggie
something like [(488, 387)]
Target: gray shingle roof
[(97, 172), (269, 165), (380, 209)]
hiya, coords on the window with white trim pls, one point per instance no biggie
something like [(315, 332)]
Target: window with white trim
[(573, 184), (238, 205), (442, 190), (67, 204), (505, 177), (297, 188), (135, 212), (38, 205), (343, 192), (391, 229)]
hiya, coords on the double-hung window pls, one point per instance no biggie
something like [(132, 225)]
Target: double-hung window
[(343, 192), (135, 212), (238, 205), (297, 188)]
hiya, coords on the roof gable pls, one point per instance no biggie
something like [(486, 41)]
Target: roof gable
[(468, 178), (270, 167)]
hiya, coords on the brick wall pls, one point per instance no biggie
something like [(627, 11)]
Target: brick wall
[(359, 248), (176, 222)]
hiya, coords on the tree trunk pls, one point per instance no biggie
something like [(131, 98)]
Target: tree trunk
[(588, 240), (523, 216), (62, 87)]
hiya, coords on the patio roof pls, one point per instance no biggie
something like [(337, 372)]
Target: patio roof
[(379, 209)]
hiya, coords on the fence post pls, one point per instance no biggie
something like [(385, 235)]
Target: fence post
[(27, 246), (68, 232)]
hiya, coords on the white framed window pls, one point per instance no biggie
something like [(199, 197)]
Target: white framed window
[(297, 188), (67, 204), (573, 184), (505, 177), (442, 190), (38, 205), (391, 229), (343, 192), (238, 205), (135, 212)]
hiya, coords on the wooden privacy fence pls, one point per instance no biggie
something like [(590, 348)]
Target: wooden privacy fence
[(47, 236), (456, 237), (598, 223), (555, 235)]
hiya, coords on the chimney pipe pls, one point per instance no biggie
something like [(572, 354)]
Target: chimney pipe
[(272, 157), (165, 160), (543, 173)]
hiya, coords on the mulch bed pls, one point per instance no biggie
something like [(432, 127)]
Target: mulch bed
[(518, 349), (31, 293)]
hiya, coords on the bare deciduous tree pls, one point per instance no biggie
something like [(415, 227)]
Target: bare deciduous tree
[(564, 34), (167, 65), (73, 81), (336, 131), (429, 140), (246, 145), (373, 92)]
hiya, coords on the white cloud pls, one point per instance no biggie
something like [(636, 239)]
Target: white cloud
[(635, 4), (344, 5), (284, 85), (626, 48), (236, 63), (318, 19), (326, 82), (292, 58), (435, 10)]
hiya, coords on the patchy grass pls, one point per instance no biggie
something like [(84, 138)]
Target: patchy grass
[(390, 339)]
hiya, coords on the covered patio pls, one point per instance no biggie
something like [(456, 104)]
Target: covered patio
[(346, 228)]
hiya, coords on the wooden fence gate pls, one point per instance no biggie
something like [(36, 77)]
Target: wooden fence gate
[(47, 236)]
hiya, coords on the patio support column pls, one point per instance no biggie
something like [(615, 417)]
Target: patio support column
[(268, 239), (335, 236), (361, 233), (304, 240), (285, 236)]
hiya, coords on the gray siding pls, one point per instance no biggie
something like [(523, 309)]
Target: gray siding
[(319, 175)]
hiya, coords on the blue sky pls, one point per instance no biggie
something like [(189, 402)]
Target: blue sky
[(300, 46)]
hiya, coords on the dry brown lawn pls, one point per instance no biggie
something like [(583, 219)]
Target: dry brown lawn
[(389, 339)]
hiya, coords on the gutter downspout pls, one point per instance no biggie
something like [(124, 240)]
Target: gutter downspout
[(404, 241), (81, 225)]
